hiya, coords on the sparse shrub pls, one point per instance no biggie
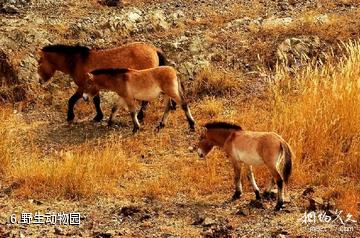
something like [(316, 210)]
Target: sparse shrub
[(214, 82), (211, 107)]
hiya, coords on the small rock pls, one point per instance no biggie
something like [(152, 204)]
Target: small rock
[(9, 9), (100, 234), (279, 234), (276, 22), (198, 220), (208, 221), (134, 16), (13, 186), (167, 235), (58, 231), (36, 202), (322, 19), (243, 212), (111, 3), (330, 204), (256, 204), (129, 211), (157, 19), (307, 191), (191, 148), (315, 204), (196, 45)]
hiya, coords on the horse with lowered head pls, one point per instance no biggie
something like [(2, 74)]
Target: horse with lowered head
[(251, 148), (78, 60), (146, 85)]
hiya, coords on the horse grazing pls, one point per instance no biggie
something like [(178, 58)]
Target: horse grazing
[(79, 60), (146, 85), (252, 148)]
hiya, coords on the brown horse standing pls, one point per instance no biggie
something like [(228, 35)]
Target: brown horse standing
[(79, 60), (252, 148), (145, 85)]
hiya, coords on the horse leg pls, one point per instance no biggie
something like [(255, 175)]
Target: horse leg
[(113, 112), (165, 115), (132, 108), (179, 98), (140, 115), (186, 109), (237, 179), (280, 184), (188, 115), (115, 108), (99, 115), (172, 105), (72, 101), (253, 182)]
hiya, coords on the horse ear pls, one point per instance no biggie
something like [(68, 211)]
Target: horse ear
[(39, 53), (91, 76)]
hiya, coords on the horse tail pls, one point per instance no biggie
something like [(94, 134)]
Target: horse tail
[(162, 58), (181, 90), (289, 155)]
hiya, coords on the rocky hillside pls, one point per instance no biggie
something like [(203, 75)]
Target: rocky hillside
[(227, 54), (245, 37)]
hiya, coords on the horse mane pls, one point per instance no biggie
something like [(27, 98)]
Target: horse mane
[(68, 49), (222, 125), (110, 71)]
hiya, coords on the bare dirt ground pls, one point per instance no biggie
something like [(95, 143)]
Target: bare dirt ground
[(235, 36)]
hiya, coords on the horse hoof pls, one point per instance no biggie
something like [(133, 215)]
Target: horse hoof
[(236, 196), (98, 118), (192, 127)]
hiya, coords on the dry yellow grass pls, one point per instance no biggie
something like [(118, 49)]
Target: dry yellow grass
[(213, 82), (316, 111)]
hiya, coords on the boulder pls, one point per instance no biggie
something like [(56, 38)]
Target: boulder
[(10, 86), (293, 52), (273, 22), (158, 20)]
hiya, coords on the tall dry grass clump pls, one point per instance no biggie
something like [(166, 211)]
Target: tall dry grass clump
[(318, 112), (5, 150), (84, 172), (72, 175), (214, 82)]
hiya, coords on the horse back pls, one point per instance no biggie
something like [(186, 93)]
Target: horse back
[(254, 147), (148, 83), (134, 56)]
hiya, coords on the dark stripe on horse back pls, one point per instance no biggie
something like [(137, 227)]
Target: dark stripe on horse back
[(222, 125), (111, 71), (68, 49)]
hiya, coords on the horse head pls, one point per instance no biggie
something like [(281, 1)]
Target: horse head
[(45, 68), (205, 145)]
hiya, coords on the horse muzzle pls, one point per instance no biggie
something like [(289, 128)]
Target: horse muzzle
[(85, 97), (201, 153)]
